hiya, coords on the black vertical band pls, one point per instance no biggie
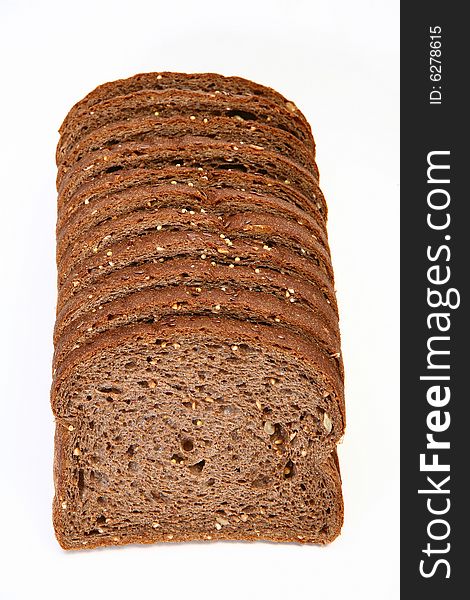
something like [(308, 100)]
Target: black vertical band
[(435, 323)]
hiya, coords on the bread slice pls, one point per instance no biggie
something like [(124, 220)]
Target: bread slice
[(152, 198), (194, 429), (205, 82), (190, 152), (107, 185), (149, 128), (194, 274), (200, 245), (171, 103), (267, 228), (231, 300)]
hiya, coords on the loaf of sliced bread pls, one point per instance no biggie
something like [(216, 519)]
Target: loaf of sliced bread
[(198, 382)]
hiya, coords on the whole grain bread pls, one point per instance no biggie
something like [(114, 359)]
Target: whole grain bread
[(106, 185), (200, 499), (149, 128), (189, 152), (205, 82), (194, 273), (234, 301), (170, 103), (160, 366), (198, 381), (161, 246), (268, 228), (151, 198)]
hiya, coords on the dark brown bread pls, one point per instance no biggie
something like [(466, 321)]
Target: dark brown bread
[(151, 198), (189, 152), (161, 246), (194, 273), (170, 103), (205, 360), (254, 501), (233, 301), (198, 383), (105, 187), (205, 82), (149, 128), (267, 228)]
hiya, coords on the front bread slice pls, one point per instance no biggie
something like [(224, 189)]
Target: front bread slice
[(196, 428)]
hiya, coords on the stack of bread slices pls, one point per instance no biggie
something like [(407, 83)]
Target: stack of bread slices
[(197, 377)]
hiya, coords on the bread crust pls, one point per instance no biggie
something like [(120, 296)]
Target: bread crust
[(190, 272), (173, 102), (187, 151), (148, 129), (152, 198), (232, 301), (106, 186), (268, 228), (207, 82), (158, 245)]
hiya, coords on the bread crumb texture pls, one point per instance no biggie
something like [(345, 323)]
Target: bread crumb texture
[(197, 375)]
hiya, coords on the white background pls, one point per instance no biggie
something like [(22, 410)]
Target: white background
[(338, 60)]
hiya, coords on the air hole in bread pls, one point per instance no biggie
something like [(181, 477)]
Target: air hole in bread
[(229, 410), (187, 445), (109, 389), (242, 114), (197, 467), (81, 482), (113, 169), (233, 167)]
